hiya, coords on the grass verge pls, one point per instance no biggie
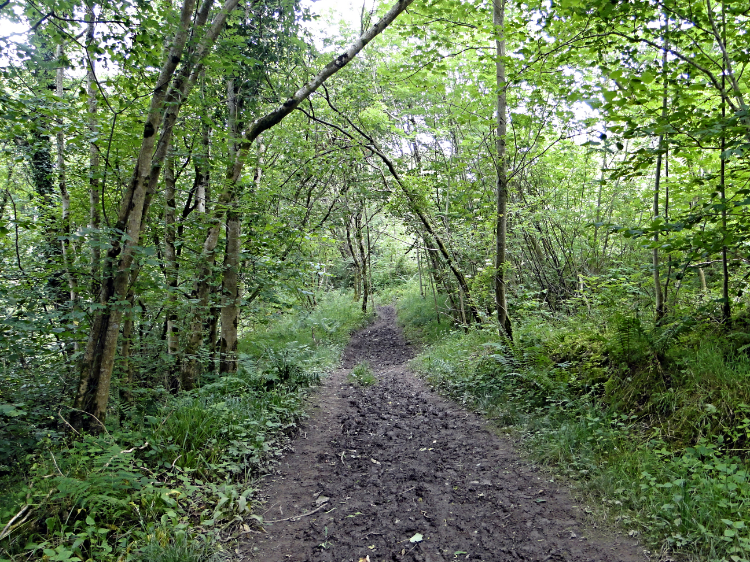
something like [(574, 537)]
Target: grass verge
[(657, 432), (175, 480)]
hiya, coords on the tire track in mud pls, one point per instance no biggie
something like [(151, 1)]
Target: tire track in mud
[(383, 465)]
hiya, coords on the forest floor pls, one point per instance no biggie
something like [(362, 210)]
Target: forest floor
[(375, 469)]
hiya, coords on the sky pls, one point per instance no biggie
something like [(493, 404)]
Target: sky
[(332, 12)]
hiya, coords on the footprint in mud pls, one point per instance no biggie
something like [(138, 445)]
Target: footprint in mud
[(394, 472)]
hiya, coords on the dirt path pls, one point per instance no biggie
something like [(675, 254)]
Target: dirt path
[(379, 465)]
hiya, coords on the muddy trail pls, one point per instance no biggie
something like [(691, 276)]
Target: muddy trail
[(376, 469)]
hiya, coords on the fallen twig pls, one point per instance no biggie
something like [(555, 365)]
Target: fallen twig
[(297, 517), (9, 527), (16, 516)]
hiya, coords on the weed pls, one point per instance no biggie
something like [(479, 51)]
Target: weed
[(362, 375), (180, 549)]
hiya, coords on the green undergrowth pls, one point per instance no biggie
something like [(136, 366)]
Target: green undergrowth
[(417, 313), (653, 422), (175, 484), (362, 375)]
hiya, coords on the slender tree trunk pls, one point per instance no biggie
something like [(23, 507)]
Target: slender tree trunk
[(595, 244), (230, 295), (501, 218), (6, 191), (94, 204), (357, 268), (190, 367), (430, 276), (126, 351), (171, 268), (658, 292), (726, 307), (212, 337), (202, 167), (63, 187), (362, 261), (419, 269), (369, 260), (230, 277)]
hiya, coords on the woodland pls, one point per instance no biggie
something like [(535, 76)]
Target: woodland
[(199, 202)]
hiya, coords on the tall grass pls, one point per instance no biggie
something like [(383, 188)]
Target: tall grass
[(315, 336), (417, 314)]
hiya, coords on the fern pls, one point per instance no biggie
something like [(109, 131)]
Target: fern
[(628, 333), (662, 337)]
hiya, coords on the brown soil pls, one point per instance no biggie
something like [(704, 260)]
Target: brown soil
[(378, 466)]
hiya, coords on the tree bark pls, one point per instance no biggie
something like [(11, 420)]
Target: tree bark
[(67, 254), (171, 270), (658, 292), (230, 296), (94, 214), (501, 217), (190, 367), (126, 350), (362, 260), (726, 305)]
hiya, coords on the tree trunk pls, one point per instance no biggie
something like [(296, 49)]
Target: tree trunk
[(67, 254), (357, 269), (362, 260), (658, 292), (501, 218), (190, 368), (369, 259), (230, 296), (125, 351), (726, 305), (212, 336), (202, 168), (91, 401), (94, 214), (171, 271)]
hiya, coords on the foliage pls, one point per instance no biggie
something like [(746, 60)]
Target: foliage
[(626, 159), (180, 549), (419, 319), (141, 492)]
